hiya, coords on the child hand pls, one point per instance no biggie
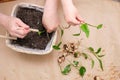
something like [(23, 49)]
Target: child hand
[(50, 18), (50, 21), (71, 14), (16, 27)]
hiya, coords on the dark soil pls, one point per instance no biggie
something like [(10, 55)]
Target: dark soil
[(33, 40)]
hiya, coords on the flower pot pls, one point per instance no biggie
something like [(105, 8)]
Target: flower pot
[(29, 44)]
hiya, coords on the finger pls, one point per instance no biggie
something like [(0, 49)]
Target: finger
[(74, 22), (17, 35), (45, 26), (22, 24), (49, 30), (79, 19), (20, 31), (26, 31)]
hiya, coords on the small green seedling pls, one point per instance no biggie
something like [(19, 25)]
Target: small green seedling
[(40, 32)]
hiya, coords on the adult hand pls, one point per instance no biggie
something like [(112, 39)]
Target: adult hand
[(16, 27)]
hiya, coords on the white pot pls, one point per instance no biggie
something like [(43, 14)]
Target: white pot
[(22, 49)]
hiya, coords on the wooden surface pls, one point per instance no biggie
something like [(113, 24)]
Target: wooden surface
[(19, 66), (1, 1)]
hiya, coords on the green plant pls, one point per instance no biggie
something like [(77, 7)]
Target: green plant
[(72, 49), (81, 69), (85, 28), (40, 32), (67, 69), (97, 55), (57, 46)]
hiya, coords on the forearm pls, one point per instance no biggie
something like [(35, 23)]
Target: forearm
[(50, 17), (50, 4), (3, 19), (66, 3), (70, 12)]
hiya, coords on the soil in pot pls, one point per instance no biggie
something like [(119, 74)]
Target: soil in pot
[(33, 40)]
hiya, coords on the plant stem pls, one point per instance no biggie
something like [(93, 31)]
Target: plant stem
[(91, 25), (67, 27), (77, 67), (100, 62)]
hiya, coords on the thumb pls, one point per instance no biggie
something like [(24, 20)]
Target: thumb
[(75, 22), (79, 19)]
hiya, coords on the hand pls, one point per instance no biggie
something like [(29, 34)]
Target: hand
[(50, 21), (16, 27), (50, 18), (71, 14)]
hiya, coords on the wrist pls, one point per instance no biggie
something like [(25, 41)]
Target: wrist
[(3, 20), (51, 4), (66, 2)]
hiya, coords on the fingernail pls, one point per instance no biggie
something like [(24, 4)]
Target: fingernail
[(27, 28)]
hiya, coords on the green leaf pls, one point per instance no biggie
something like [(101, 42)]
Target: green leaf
[(59, 44), (91, 49), (76, 63), (98, 51), (62, 32), (101, 56), (82, 71), (76, 54), (40, 32), (94, 53), (56, 47), (84, 28), (85, 55), (66, 70), (101, 65), (93, 63), (78, 34), (99, 26)]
